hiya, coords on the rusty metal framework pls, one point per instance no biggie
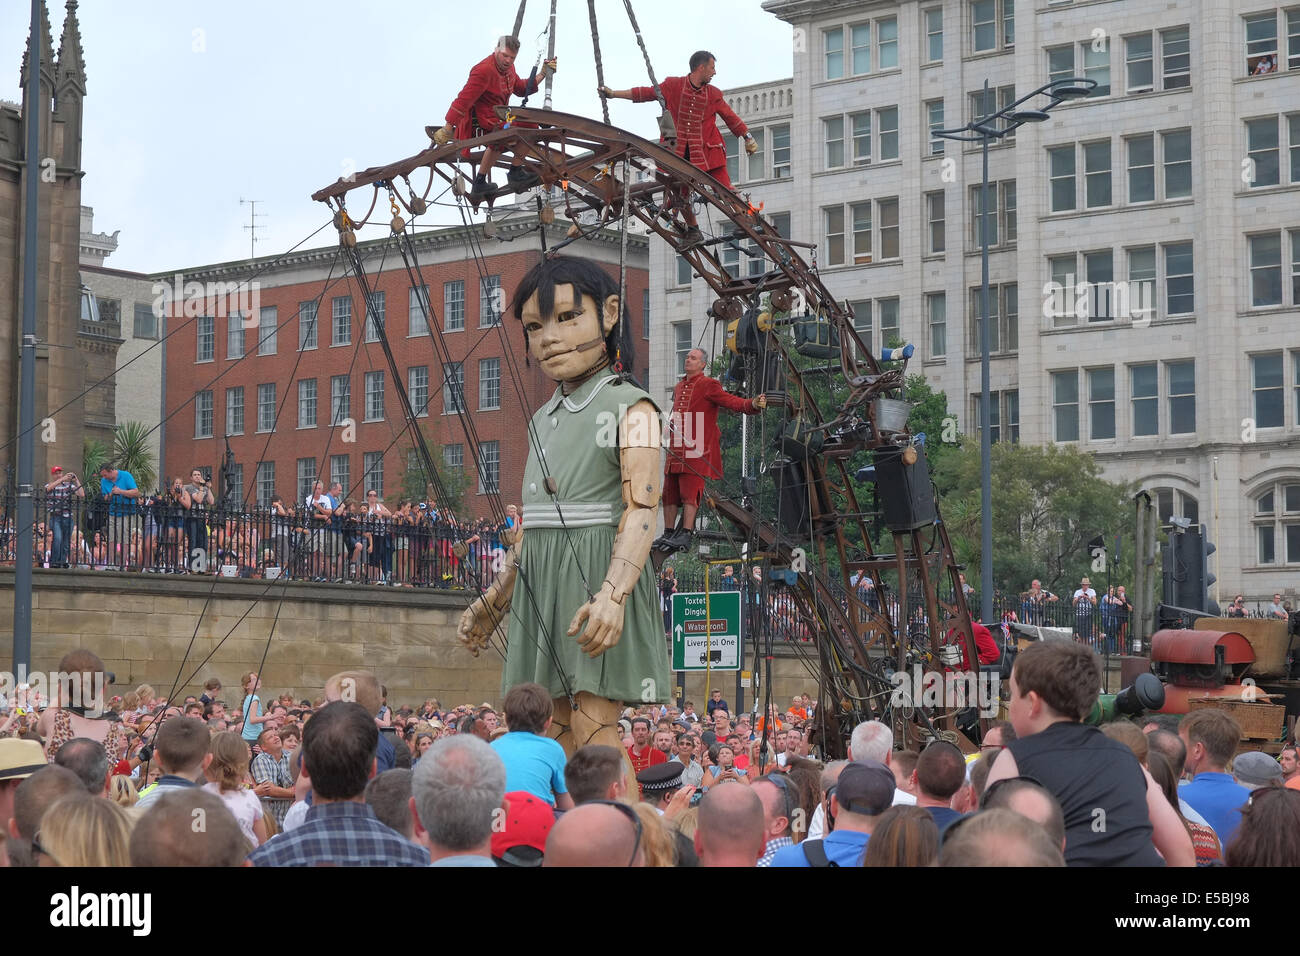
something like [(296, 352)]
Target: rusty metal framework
[(609, 174)]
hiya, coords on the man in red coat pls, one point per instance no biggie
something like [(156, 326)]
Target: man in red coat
[(491, 83), (694, 445), (695, 106)]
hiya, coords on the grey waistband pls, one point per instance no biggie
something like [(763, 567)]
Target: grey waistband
[(576, 514)]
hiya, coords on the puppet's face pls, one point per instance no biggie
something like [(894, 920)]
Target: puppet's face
[(569, 341)]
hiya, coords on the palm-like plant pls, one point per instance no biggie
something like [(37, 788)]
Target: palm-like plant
[(93, 454), (132, 452)]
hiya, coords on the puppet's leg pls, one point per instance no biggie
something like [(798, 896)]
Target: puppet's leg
[(595, 721)]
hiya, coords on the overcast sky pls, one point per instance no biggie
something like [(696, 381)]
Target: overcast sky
[(192, 106)]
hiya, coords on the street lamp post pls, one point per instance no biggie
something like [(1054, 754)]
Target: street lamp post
[(996, 126)]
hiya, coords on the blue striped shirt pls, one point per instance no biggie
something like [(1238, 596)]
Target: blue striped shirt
[(340, 834)]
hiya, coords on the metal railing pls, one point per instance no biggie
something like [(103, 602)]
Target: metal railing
[(158, 535)]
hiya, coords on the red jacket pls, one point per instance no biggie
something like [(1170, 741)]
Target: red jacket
[(696, 114), (985, 646), (486, 89), (694, 442)]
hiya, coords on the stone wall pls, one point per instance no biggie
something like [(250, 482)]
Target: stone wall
[(142, 626)]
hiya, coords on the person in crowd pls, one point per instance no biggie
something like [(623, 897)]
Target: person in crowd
[(730, 828), (36, 794), (272, 778), (1269, 831), (693, 771), (338, 747), (999, 837), (1204, 841), (181, 751), (121, 790), (857, 796), (596, 833), (722, 768), (642, 753), (364, 688), (389, 795), (776, 794), (903, 836), (1255, 769), (457, 792), (1276, 609), (165, 834), (939, 774), (65, 719), (1030, 800), (595, 772), (81, 830), (59, 492), (225, 777), (534, 762), (1211, 737), (89, 761), (1053, 686), (1287, 760)]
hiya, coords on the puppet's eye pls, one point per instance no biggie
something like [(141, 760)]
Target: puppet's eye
[(570, 315), (533, 327)]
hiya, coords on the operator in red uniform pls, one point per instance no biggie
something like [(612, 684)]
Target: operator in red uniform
[(694, 451), (491, 83), (695, 105)]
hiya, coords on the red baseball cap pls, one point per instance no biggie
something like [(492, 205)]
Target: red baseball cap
[(55, 470), (528, 822)]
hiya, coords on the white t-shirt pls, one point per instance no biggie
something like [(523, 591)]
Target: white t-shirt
[(244, 804), (1090, 594)]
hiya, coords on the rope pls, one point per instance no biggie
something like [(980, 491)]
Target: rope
[(623, 331), (519, 18), (640, 41), (550, 54), (600, 66)]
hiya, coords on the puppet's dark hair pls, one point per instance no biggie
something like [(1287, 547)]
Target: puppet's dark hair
[(587, 278)]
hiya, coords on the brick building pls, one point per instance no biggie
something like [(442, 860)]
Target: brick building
[(283, 385)]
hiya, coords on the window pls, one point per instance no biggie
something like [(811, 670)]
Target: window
[(306, 477), (995, 418), (645, 314), (1061, 173), (757, 160), (1144, 387), (234, 336), (453, 388), (934, 117), (1004, 319), (887, 127), (203, 414), (1179, 284), (417, 300), (453, 305), (861, 212), (861, 126), (1065, 405), (1175, 58), (265, 482), (235, 410), (145, 325), (1181, 381), (266, 407), (860, 37), (307, 403), (936, 306), (1060, 63), (993, 25), (1062, 272), (207, 339), (1295, 377), (1141, 168), (1265, 270), (1295, 268), (833, 218), (1139, 64), (1010, 296), (1002, 215), (731, 143), (683, 271), (1293, 124), (1012, 416), (1273, 523), (1142, 282), (1267, 389), (933, 34), (833, 51), (1262, 148), (887, 43), (375, 316), (681, 344), (491, 302), (1101, 403), (887, 210), (1096, 174), (489, 467), (489, 384), (267, 322), (1008, 23), (110, 310), (1096, 65), (453, 456), (417, 388), (889, 334), (374, 396), (1177, 147), (372, 464), (781, 151), (340, 399), (306, 326), (934, 212), (1261, 43), (1293, 39), (1099, 268), (834, 134), (862, 322), (341, 308), (341, 472)]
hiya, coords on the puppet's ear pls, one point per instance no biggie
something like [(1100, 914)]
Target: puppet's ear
[(609, 314)]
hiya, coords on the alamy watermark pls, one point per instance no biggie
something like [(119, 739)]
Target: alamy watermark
[(979, 689), (82, 690), (193, 298), (1124, 301)]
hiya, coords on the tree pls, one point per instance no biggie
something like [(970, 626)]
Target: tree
[(93, 454), (416, 485), (1048, 503), (131, 453)]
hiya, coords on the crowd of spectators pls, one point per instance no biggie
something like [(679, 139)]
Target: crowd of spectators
[(345, 778)]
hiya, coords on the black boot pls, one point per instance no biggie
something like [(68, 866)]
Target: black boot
[(482, 187), (521, 178)]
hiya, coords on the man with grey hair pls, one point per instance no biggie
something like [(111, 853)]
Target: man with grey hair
[(457, 789), (89, 761), (871, 740), (694, 445)]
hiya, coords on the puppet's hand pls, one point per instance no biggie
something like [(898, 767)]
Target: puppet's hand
[(476, 625), (604, 619)]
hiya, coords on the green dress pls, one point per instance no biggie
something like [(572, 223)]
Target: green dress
[(567, 545)]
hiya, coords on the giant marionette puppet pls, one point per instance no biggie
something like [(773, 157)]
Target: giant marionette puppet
[(584, 621)]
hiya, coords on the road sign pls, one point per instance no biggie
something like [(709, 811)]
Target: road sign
[(706, 631)]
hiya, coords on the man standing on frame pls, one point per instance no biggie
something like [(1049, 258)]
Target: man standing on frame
[(695, 105), (694, 451)]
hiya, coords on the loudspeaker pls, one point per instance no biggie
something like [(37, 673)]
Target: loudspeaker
[(792, 497), (906, 495)]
